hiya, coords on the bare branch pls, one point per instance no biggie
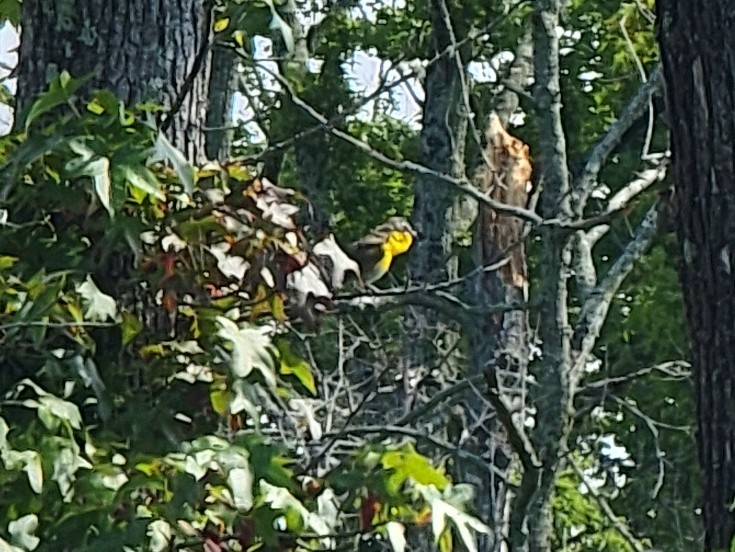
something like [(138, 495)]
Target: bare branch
[(439, 301), (622, 198), (452, 391), (606, 145), (673, 369), (420, 435), (594, 311), (644, 79), (462, 184), (472, 37), (516, 435)]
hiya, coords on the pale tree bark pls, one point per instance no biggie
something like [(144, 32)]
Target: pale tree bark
[(530, 523), (698, 50), (142, 51)]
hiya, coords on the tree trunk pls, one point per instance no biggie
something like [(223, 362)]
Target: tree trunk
[(698, 48), (141, 50), (222, 86), (499, 342)]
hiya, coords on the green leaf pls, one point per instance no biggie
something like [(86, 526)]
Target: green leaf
[(292, 364), (131, 327), (30, 461), (60, 91), (251, 350), (281, 499), (52, 408), (97, 305), (99, 170), (21, 530), (34, 471), (144, 180), (407, 463), (7, 261), (10, 11), (164, 149)]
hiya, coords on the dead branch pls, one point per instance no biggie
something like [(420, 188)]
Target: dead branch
[(594, 311), (599, 153)]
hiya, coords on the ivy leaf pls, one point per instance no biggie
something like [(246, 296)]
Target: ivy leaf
[(251, 350), (99, 170), (60, 91), (21, 530), (51, 408), (159, 533), (97, 305), (280, 499), (292, 364), (34, 471), (442, 510), (31, 462), (240, 481), (5, 546), (143, 179), (164, 149)]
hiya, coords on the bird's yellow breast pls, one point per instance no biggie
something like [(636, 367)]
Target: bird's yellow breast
[(398, 243)]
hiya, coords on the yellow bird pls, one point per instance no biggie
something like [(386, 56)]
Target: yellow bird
[(376, 251)]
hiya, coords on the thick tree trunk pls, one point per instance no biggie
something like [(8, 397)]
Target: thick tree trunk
[(499, 342), (698, 48), (222, 86), (141, 50), (442, 145)]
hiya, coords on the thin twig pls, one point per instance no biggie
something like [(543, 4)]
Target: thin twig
[(594, 311), (619, 526), (517, 437)]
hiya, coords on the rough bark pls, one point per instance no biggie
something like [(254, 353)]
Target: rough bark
[(698, 49), (312, 154), (141, 50), (222, 85), (442, 147)]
